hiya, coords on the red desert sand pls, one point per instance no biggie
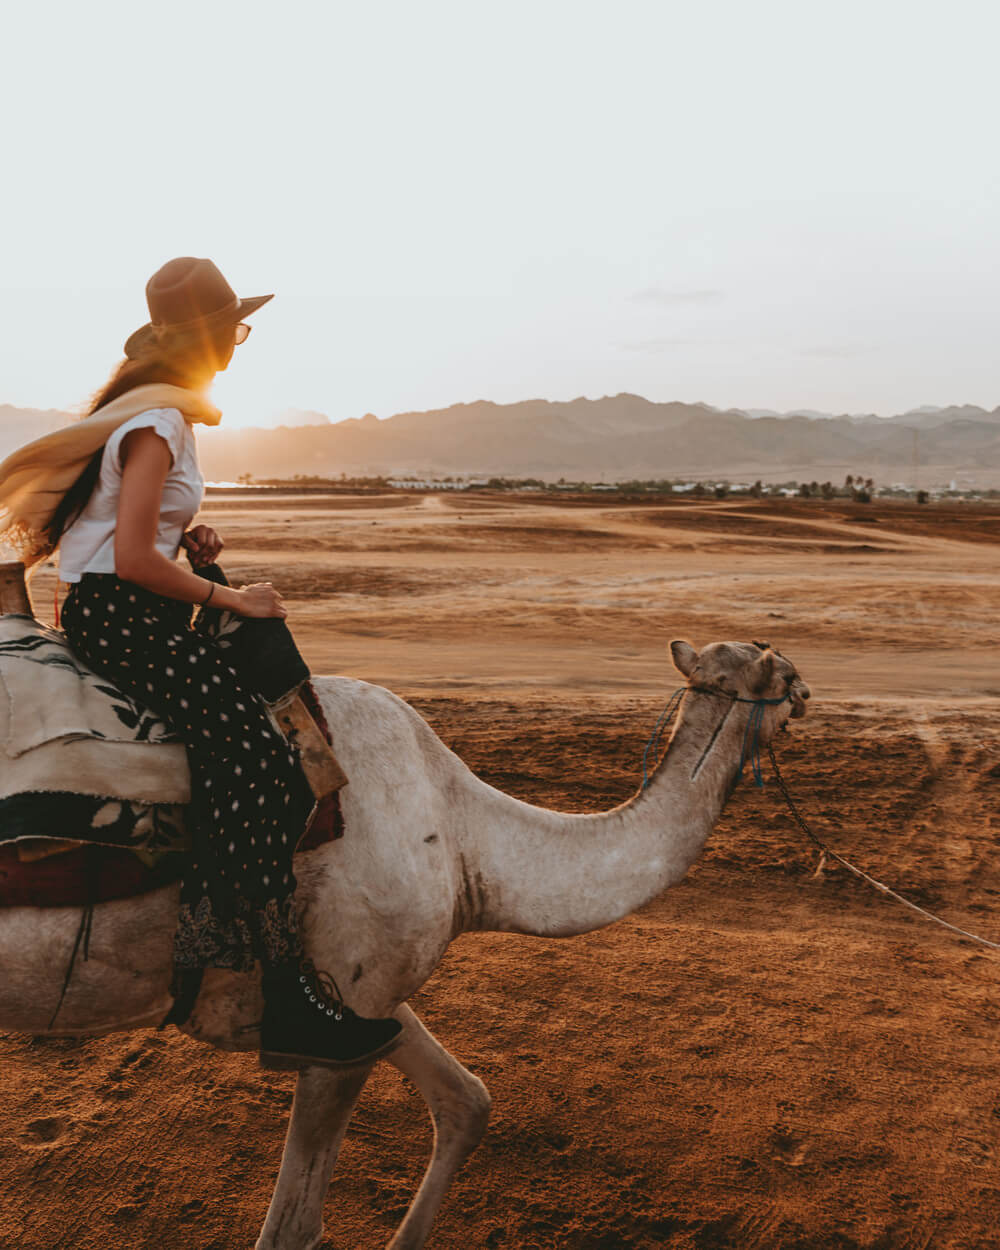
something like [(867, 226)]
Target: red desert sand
[(760, 1058)]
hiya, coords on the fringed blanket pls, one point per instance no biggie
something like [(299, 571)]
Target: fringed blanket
[(79, 759)]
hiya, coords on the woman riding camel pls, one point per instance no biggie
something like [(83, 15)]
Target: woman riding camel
[(119, 527)]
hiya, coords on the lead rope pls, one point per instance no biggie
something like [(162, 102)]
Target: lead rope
[(751, 751), (882, 888)]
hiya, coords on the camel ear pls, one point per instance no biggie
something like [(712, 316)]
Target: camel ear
[(762, 673), (685, 656)]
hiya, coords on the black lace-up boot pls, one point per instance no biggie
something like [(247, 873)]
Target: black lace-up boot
[(306, 1022)]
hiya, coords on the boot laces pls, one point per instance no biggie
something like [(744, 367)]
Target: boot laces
[(321, 989)]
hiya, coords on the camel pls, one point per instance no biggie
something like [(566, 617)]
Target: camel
[(431, 851)]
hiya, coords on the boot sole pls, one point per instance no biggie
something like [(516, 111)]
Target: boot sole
[(278, 1061)]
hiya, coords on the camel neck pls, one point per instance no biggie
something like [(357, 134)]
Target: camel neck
[(530, 870)]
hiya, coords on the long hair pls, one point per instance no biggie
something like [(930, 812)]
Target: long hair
[(156, 365)]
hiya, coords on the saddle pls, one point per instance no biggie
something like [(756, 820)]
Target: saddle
[(115, 827)]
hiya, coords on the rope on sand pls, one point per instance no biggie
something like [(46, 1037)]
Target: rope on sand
[(827, 853)]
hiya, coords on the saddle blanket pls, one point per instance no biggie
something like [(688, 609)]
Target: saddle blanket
[(78, 758), (50, 699), (81, 877)]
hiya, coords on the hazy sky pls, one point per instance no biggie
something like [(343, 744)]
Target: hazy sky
[(760, 205)]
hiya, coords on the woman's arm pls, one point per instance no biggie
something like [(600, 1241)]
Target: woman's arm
[(146, 463)]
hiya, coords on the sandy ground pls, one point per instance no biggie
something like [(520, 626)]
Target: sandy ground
[(761, 1057)]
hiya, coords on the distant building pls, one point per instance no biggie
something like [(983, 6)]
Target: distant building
[(413, 483)]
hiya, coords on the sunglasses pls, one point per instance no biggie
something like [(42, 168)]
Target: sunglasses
[(242, 331)]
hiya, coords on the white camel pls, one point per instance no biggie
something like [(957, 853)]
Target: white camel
[(431, 851)]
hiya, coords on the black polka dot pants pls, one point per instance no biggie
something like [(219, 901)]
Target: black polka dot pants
[(249, 799)]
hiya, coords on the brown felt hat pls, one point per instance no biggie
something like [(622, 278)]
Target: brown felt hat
[(189, 293)]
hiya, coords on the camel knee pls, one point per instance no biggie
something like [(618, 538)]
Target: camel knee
[(482, 1105), (465, 1114), (479, 1104)]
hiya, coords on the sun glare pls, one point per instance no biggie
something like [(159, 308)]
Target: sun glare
[(240, 399)]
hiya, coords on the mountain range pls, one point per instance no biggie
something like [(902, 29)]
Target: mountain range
[(615, 437)]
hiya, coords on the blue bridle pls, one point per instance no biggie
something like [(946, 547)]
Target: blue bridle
[(751, 735)]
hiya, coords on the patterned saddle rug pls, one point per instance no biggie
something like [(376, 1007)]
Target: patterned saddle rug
[(78, 758), (81, 761)]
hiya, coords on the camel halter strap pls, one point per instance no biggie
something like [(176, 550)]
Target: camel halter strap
[(751, 734)]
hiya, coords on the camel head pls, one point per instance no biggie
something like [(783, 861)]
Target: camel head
[(749, 670)]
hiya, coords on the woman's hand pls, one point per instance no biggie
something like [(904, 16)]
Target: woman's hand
[(260, 600), (203, 545)]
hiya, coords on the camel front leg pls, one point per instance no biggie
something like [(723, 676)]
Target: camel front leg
[(323, 1105), (459, 1105)]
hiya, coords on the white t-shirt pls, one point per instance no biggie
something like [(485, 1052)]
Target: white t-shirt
[(88, 545)]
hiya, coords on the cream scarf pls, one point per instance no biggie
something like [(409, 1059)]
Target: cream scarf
[(34, 479)]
